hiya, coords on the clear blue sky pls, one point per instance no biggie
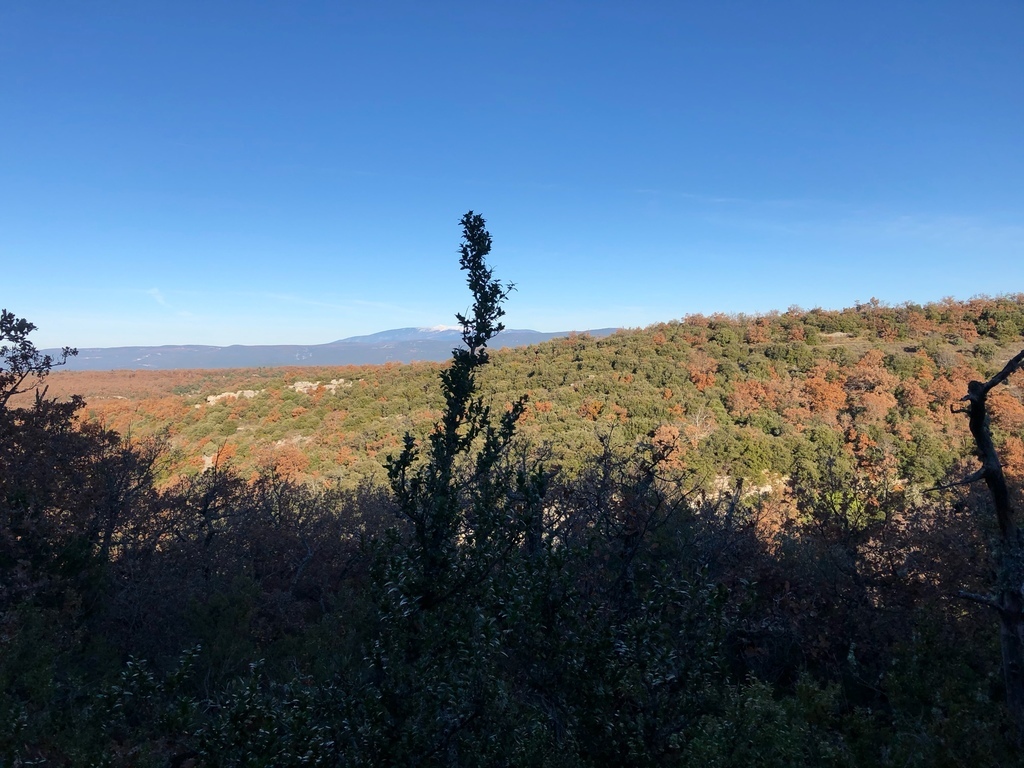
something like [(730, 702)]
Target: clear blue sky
[(271, 172)]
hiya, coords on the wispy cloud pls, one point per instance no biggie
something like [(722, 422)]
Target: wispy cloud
[(957, 228), (158, 297)]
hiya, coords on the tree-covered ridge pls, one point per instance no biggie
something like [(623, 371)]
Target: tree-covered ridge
[(690, 545), (735, 396)]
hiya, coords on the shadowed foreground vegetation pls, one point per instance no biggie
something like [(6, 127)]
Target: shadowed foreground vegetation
[(706, 543)]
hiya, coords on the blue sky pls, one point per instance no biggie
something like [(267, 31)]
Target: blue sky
[(270, 172)]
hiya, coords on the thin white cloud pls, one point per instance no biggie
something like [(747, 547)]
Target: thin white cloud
[(158, 297), (957, 228)]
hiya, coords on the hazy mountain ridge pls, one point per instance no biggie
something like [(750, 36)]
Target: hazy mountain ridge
[(398, 345)]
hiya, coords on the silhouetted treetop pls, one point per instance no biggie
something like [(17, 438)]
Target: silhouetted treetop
[(20, 361)]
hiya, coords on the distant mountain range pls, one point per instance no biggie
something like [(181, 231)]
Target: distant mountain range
[(400, 345)]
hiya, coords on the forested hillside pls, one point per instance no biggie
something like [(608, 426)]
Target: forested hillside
[(714, 542), (732, 397)]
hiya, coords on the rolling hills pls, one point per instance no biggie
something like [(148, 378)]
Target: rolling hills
[(400, 345), (735, 396)]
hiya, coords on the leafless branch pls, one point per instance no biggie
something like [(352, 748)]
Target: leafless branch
[(974, 597), (1009, 368), (957, 483)]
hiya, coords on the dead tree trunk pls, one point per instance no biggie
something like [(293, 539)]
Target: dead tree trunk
[(1008, 550)]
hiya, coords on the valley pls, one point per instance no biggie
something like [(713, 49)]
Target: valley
[(741, 397)]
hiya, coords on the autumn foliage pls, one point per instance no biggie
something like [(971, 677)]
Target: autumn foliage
[(709, 542)]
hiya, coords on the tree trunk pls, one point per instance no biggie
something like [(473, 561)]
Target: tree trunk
[(1009, 551), (1011, 636)]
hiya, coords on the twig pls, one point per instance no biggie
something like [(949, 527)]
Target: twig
[(966, 481), (991, 602)]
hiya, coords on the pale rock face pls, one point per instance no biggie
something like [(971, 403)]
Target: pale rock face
[(310, 386), (248, 394), (297, 440)]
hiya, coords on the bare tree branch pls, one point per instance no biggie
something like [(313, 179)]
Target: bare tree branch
[(985, 600), (1009, 368), (973, 477), (1008, 551)]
